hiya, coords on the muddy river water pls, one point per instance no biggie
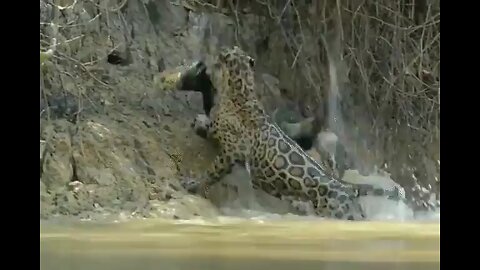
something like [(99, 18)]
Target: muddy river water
[(239, 243)]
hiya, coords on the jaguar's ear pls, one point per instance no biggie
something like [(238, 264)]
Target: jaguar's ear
[(225, 54), (222, 56), (200, 67), (251, 62)]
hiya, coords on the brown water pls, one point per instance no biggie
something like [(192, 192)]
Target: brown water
[(229, 243)]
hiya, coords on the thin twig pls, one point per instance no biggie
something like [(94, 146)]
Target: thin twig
[(84, 68)]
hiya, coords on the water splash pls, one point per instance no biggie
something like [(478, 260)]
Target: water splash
[(257, 205)]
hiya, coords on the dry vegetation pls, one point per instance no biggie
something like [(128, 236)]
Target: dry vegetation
[(386, 55)]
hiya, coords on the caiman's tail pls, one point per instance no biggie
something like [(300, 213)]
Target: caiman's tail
[(395, 193)]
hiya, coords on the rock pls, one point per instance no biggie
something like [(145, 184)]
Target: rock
[(185, 207), (116, 164), (327, 141), (57, 166)]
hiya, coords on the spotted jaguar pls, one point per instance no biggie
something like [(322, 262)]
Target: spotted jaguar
[(246, 135)]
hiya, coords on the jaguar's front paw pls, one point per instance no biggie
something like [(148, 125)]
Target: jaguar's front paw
[(201, 124), (194, 186), (190, 184)]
